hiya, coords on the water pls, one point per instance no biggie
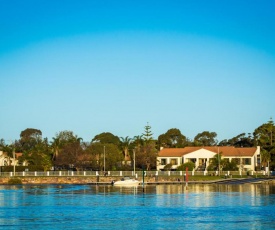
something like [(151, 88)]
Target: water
[(247, 206)]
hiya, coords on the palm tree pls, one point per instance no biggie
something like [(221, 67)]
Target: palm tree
[(138, 140), (56, 144), (125, 143)]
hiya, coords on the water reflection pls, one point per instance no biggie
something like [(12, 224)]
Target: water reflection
[(109, 207)]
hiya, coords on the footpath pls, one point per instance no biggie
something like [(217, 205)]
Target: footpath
[(94, 180)]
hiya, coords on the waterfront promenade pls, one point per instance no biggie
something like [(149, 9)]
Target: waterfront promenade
[(148, 180)]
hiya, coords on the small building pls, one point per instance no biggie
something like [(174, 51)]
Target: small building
[(247, 158), (5, 160)]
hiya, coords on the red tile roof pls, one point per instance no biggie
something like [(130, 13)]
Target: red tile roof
[(226, 151)]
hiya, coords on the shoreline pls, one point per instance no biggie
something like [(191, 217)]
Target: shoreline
[(108, 181)]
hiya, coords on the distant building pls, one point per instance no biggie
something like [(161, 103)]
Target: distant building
[(5, 160), (248, 158)]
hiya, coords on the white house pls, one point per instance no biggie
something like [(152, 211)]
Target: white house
[(247, 158)]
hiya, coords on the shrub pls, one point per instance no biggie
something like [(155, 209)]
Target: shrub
[(189, 165), (167, 167), (14, 181)]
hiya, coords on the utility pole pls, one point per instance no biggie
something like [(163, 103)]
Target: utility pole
[(134, 152), (219, 160), (104, 160), (13, 151)]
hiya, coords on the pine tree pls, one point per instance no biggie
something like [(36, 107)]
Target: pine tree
[(147, 135)]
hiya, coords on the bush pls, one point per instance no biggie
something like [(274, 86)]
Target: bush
[(167, 167), (189, 165), (31, 168), (14, 181)]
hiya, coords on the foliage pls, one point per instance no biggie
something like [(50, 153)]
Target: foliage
[(215, 163), (96, 156), (106, 138), (172, 139), (39, 154), (205, 139), (240, 140), (30, 168), (147, 135), (168, 167), (67, 148), (229, 166), (264, 137), (125, 144), (29, 138), (190, 165), (146, 155), (15, 181)]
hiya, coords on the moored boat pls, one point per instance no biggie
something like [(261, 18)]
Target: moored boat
[(127, 181)]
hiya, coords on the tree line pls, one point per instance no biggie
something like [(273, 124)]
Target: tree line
[(107, 151)]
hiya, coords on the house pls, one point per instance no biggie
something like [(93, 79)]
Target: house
[(247, 158), (5, 160)]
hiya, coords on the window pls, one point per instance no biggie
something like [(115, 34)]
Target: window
[(236, 160), (174, 161), (163, 161), (247, 161)]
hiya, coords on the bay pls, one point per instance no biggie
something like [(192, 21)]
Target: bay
[(212, 206)]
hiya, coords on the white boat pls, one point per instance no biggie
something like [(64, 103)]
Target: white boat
[(127, 181)]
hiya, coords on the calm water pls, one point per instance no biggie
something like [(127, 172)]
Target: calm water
[(158, 207)]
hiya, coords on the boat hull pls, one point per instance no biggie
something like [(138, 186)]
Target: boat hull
[(127, 183)]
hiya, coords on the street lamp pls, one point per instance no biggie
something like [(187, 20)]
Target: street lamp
[(134, 152), (104, 160), (13, 151), (219, 160)]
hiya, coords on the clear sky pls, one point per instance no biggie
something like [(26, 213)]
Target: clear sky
[(94, 66)]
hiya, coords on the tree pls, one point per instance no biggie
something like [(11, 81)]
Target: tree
[(138, 141), (205, 139), (29, 138), (125, 143), (146, 156), (190, 165), (147, 135), (66, 148), (264, 137), (38, 155), (56, 145), (146, 152), (30, 134), (113, 156), (240, 140), (172, 139), (106, 138)]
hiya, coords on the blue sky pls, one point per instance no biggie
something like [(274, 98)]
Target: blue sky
[(112, 66)]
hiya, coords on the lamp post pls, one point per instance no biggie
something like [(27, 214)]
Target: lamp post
[(219, 160), (13, 151), (134, 152), (104, 160)]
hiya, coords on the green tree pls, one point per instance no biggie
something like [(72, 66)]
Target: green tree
[(147, 135), (66, 148), (125, 144), (205, 139), (240, 140), (38, 155), (264, 137), (106, 138), (29, 138), (146, 152), (113, 156), (190, 165), (172, 139)]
